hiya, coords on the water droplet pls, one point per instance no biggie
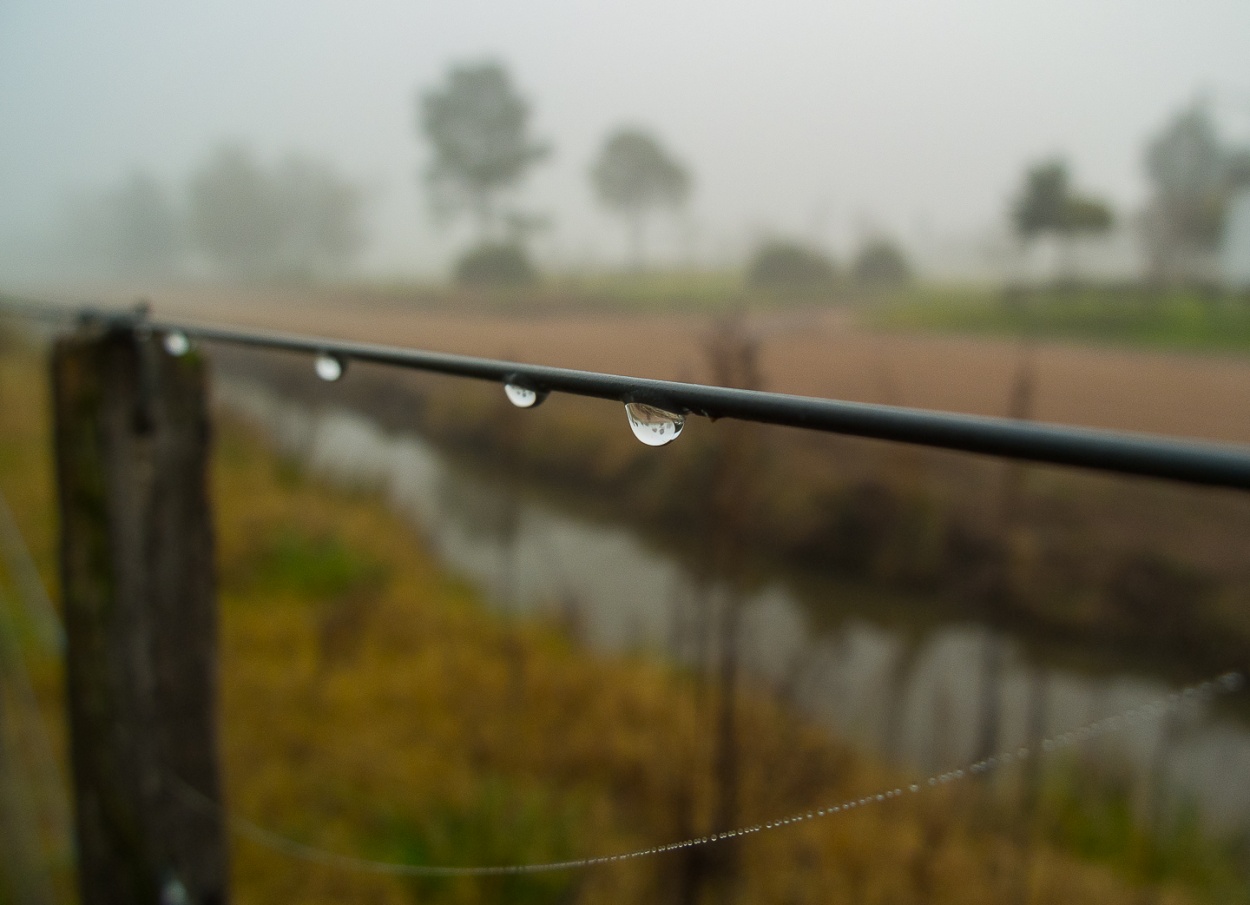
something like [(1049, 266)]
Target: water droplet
[(522, 396), (174, 893), (177, 344), (329, 367), (653, 426), (915, 787)]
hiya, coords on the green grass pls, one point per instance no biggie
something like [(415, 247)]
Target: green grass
[(1182, 319), (652, 291), (1096, 819), (501, 823), (312, 567)]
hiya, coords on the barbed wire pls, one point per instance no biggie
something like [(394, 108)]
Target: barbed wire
[(1192, 695)]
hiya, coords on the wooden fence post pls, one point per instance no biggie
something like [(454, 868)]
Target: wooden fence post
[(138, 585)]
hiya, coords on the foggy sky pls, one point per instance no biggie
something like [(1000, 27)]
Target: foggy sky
[(817, 119)]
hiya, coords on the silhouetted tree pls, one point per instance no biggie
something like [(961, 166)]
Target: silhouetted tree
[(633, 176), (234, 215), (132, 230), (1047, 204), (478, 127), (321, 216), (1192, 177), (299, 219)]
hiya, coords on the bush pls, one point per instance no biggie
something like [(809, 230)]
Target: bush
[(881, 263), (788, 265), (495, 265)]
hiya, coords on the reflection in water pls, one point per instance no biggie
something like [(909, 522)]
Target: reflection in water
[(927, 696)]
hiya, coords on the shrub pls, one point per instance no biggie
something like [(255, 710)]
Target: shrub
[(881, 263), (495, 265), (788, 265)]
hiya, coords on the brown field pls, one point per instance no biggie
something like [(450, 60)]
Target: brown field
[(818, 353)]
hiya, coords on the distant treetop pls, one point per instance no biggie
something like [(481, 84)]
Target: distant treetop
[(1047, 203), (478, 128), (635, 175)]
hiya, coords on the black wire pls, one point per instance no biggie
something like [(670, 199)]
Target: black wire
[(1217, 465)]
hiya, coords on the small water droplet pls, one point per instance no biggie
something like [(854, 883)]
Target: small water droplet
[(177, 344), (522, 396), (653, 426), (174, 893), (329, 367)]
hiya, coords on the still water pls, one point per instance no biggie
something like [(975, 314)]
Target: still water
[(920, 692)]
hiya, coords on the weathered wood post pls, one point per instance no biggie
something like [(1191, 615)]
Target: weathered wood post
[(137, 573)]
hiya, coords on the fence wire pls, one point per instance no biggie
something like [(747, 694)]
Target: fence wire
[(1190, 696), (1220, 465)]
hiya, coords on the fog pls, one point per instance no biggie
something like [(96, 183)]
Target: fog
[(822, 121)]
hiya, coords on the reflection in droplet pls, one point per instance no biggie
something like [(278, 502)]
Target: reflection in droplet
[(653, 426), (522, 396), (176, 343), (329, 367)]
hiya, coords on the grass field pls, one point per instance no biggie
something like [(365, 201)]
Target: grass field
[(372, 706), (1178, 319)]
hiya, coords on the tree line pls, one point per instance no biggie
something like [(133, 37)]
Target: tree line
[(477, 126), (1193, 176), (298, 218), (235, 218)]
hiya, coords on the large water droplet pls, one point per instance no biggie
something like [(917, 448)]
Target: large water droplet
[(176, 343), (329, 367), (653, 426), (522, 396)]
